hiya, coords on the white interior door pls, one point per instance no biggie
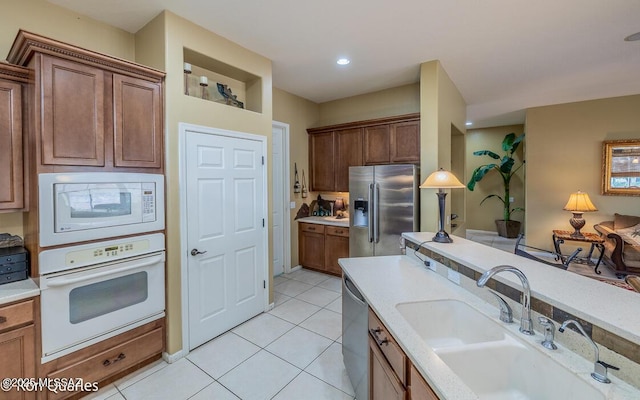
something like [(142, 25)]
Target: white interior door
[(225, 198), (278, 199)]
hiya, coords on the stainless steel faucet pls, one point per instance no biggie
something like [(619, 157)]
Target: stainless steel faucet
[(526, 324), (599, 367)]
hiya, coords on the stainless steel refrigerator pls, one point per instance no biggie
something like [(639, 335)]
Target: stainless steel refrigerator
[(383, 202)]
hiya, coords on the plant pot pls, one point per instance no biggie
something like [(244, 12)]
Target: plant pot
[(508, 229)]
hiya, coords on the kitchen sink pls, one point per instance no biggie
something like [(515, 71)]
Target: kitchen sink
[(488, 358), (446, 323), (512, 370)]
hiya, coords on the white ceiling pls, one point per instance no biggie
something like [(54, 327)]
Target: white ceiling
[(503, 55)]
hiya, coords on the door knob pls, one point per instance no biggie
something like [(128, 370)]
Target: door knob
[(195, 252)]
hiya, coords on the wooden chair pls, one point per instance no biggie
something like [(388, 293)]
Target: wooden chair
[(563, 261)]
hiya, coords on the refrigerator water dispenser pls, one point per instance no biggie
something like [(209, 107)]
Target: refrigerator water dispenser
[(360, 218)]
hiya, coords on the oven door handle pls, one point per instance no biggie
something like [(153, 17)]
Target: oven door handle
[(70, 281)]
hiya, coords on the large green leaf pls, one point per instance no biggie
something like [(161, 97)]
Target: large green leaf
[(516, 143), (486, 153), (478, 174), (507, 142), (506, 164)]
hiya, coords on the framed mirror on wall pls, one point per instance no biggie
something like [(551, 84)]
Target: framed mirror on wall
[(621, 167)]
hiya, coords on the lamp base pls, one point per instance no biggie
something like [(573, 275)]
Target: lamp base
[(442, 237), (577, 222)]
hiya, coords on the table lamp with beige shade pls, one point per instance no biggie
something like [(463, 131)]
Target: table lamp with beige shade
[(579, 203), (441, 180)]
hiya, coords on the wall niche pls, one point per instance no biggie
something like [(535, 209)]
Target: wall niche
[(225, 84)]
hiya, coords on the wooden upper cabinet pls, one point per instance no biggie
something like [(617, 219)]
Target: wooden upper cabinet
[(72, 113), (405, 142), (11, 144), (91, 112), (376, 145), (348, 154), (137, 124), (321, 162), (333, 149)]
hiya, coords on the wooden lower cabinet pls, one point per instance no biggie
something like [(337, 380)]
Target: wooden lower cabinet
[(418, 388), (311, 246), (108, 360), (384, 383), (392, 376), (320, 247), (17, 346), (336, 246)]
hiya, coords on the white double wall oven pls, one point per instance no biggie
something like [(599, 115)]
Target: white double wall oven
[(95, 283)]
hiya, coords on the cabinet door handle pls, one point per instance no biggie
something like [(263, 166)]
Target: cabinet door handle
[(374, 333), (3, 319)]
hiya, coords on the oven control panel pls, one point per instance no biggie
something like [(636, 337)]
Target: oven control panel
[(103, 253), (81, 255)]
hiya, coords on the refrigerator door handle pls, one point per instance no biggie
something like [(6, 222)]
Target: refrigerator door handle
[(376, 214), (370, 213)]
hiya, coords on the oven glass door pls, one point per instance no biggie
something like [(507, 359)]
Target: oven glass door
[(82, 206), (79, 306)]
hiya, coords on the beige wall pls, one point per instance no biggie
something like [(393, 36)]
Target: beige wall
[(483, 216), (441, 107), (178, 33), (563, 152), (44, 18), (300, 114), (385, 103)]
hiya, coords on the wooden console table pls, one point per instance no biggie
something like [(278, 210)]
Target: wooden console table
[(560, 236)]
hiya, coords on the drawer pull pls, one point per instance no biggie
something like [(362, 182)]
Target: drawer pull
[(107, 362), (374, 333), (3, 319), (312, 229), (339, 232)]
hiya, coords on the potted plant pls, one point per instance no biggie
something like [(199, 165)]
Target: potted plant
[(506, 167)]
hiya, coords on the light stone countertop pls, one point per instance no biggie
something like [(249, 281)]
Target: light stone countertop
[(15, 291), (389, 280), (604, 305), (342, 222)]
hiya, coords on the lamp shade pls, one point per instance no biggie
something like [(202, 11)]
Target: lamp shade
[(442, 179), (580, 202)]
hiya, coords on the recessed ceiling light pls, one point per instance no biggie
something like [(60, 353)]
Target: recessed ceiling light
[(343, 61), (468, 123), (633, 38)]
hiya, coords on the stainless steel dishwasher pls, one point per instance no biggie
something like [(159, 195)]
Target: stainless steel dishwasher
[(355, 345)]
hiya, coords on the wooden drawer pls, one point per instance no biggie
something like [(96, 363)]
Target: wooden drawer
[(16, 314), (336, 231), (389, 347), (111, 361), (316, 228)]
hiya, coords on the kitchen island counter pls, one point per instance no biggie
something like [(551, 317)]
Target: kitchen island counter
[(390, 280)]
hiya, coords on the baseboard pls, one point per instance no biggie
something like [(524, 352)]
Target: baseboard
[(297, 267), (171, 358), (269, 307)]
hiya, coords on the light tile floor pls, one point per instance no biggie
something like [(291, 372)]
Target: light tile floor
[(292, 352)]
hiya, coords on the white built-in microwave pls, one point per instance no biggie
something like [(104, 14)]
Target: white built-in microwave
[(77, 207)]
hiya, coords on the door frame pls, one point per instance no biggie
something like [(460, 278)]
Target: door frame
[(183, 129), (286, 195)]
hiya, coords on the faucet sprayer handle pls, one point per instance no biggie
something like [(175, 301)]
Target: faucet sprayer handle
[(549, 331), (600, 369), (506, 315)]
